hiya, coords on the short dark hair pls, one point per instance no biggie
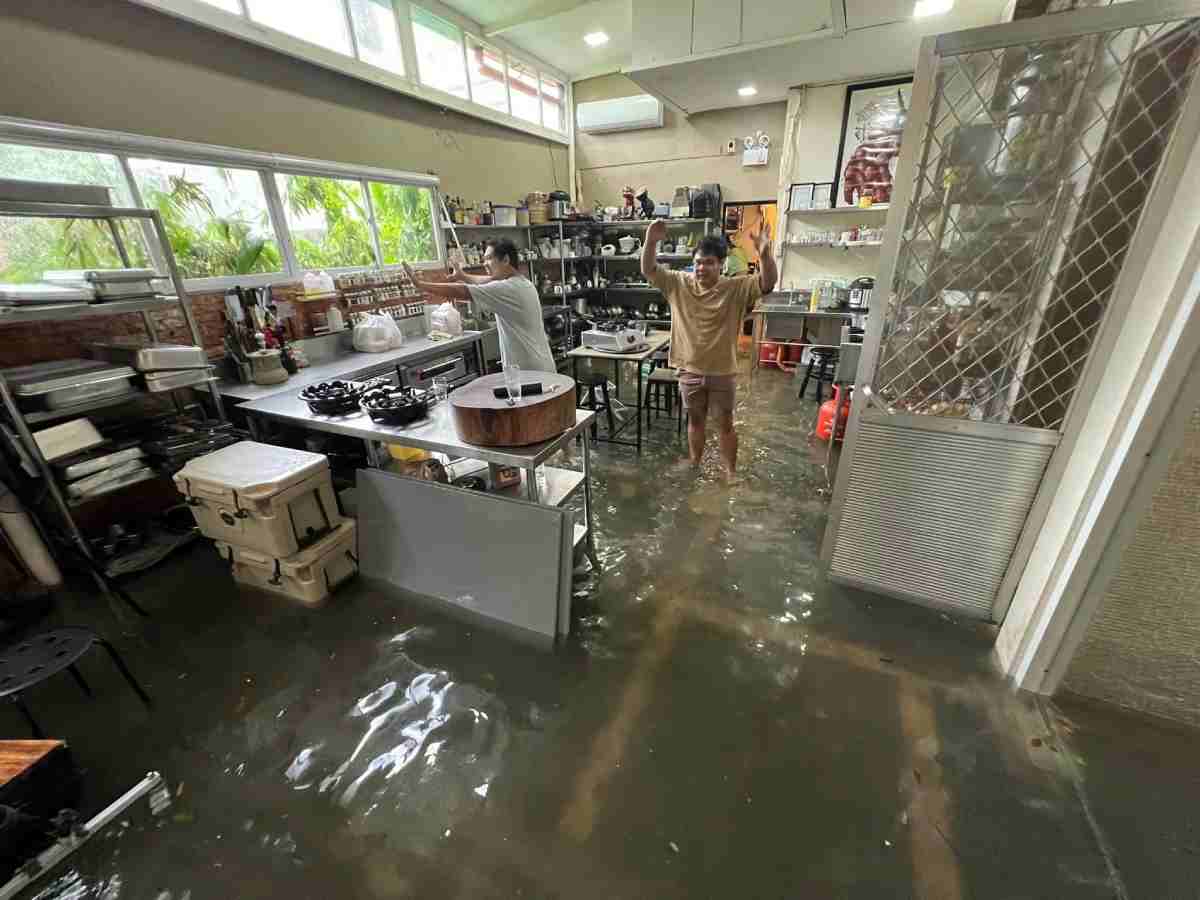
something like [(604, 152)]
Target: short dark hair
[(712, 245), (503, 248)]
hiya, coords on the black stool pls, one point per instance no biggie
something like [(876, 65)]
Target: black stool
[(662, 390), (588, 383), (36, 659), (825, 360)]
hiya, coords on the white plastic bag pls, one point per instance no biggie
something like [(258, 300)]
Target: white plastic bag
[(376, 334), (447, 320)]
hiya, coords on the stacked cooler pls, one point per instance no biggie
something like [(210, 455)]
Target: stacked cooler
[(274, 517)]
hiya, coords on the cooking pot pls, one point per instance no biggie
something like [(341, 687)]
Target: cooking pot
[(608, 250)]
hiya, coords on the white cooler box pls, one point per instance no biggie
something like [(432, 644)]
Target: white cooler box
[(271, 499), (309, 576)]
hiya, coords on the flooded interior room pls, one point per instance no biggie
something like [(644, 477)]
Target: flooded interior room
[(599, 449)]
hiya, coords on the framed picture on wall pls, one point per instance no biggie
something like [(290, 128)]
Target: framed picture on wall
[(872, 126), (801, 196), (822, 195)]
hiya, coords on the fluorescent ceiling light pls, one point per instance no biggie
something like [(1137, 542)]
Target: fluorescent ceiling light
[(595, 39), (747, 91), (931, 8)]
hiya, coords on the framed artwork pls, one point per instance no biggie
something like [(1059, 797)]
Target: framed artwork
[(872, 127), (822, 195), (801, 196)]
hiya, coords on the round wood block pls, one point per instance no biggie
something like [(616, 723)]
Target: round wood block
[(484, 419)]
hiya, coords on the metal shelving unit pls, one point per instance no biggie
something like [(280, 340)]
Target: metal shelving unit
[(151, 221)]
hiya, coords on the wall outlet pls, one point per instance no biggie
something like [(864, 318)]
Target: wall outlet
[(731, 146)]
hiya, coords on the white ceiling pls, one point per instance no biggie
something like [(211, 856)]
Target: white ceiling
[(881, 38), (886, 45)]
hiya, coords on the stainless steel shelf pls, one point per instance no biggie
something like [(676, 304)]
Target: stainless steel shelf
[(632, 290), (49, 415), (630, 257), (68, 311), (446, 227), (561, 485), (630, 223), (833, 245), (878, 207)]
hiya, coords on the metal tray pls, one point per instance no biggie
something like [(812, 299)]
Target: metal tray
[(68, 382), (150, 357), (98, 276), (169, 381), (36, 294)]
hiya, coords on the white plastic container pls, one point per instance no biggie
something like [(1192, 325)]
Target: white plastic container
[(309, 576), (275, 500)]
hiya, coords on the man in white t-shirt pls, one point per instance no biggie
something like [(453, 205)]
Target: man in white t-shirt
[(512, 297)]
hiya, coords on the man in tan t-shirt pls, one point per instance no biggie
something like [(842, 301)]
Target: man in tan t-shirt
[(707, 311)]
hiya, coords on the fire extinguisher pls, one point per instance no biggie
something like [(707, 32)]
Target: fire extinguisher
[(828, 412)]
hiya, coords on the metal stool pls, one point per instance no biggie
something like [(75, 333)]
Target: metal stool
[(36, 659), (662, 386), (589, 382), (825, 359)]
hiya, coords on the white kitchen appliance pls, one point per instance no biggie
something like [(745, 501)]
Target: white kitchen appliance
[(621, 339)]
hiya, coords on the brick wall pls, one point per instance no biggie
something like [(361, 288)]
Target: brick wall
[(27, 343)]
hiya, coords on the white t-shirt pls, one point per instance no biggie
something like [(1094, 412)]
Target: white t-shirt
[(518, 310)]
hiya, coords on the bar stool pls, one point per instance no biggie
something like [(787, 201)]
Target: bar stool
[(42, 656), (662, 390), (824, 359), (588, 382)]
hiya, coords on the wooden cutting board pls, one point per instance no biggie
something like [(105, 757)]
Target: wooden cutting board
[(484, 419)]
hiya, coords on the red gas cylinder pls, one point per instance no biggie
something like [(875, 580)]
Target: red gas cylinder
[(825, 415), (768, 353)]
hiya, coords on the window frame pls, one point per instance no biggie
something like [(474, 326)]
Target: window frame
[(242, 27), (124, 146)]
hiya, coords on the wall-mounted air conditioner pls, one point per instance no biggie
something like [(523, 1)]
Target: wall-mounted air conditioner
[(621, 114)]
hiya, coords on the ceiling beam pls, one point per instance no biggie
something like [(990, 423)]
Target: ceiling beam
[(535, 13)]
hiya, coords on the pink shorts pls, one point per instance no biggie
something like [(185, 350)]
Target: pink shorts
[(705, 393)]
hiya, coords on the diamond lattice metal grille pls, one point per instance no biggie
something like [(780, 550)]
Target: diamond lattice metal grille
[(1032, 173)]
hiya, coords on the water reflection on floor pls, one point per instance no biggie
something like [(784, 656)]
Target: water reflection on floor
[(723, 722)]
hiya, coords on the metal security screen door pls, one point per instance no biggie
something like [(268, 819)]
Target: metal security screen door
[(1030, 153)]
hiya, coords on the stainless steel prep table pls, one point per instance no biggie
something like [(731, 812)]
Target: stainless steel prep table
[(655, 341), (782, 312), (437, 434), (358, 365)]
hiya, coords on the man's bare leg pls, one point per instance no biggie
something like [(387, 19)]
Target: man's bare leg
[(696, 423), (729, 442)]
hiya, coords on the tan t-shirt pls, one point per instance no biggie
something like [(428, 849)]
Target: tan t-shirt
[(705, 324)]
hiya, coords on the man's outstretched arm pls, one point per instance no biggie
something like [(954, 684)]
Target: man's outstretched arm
[(769, 272), (439, 288), (655, 232)]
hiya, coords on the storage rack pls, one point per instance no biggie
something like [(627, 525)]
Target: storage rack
[(558, 229), (163, 254), (789, 249)]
